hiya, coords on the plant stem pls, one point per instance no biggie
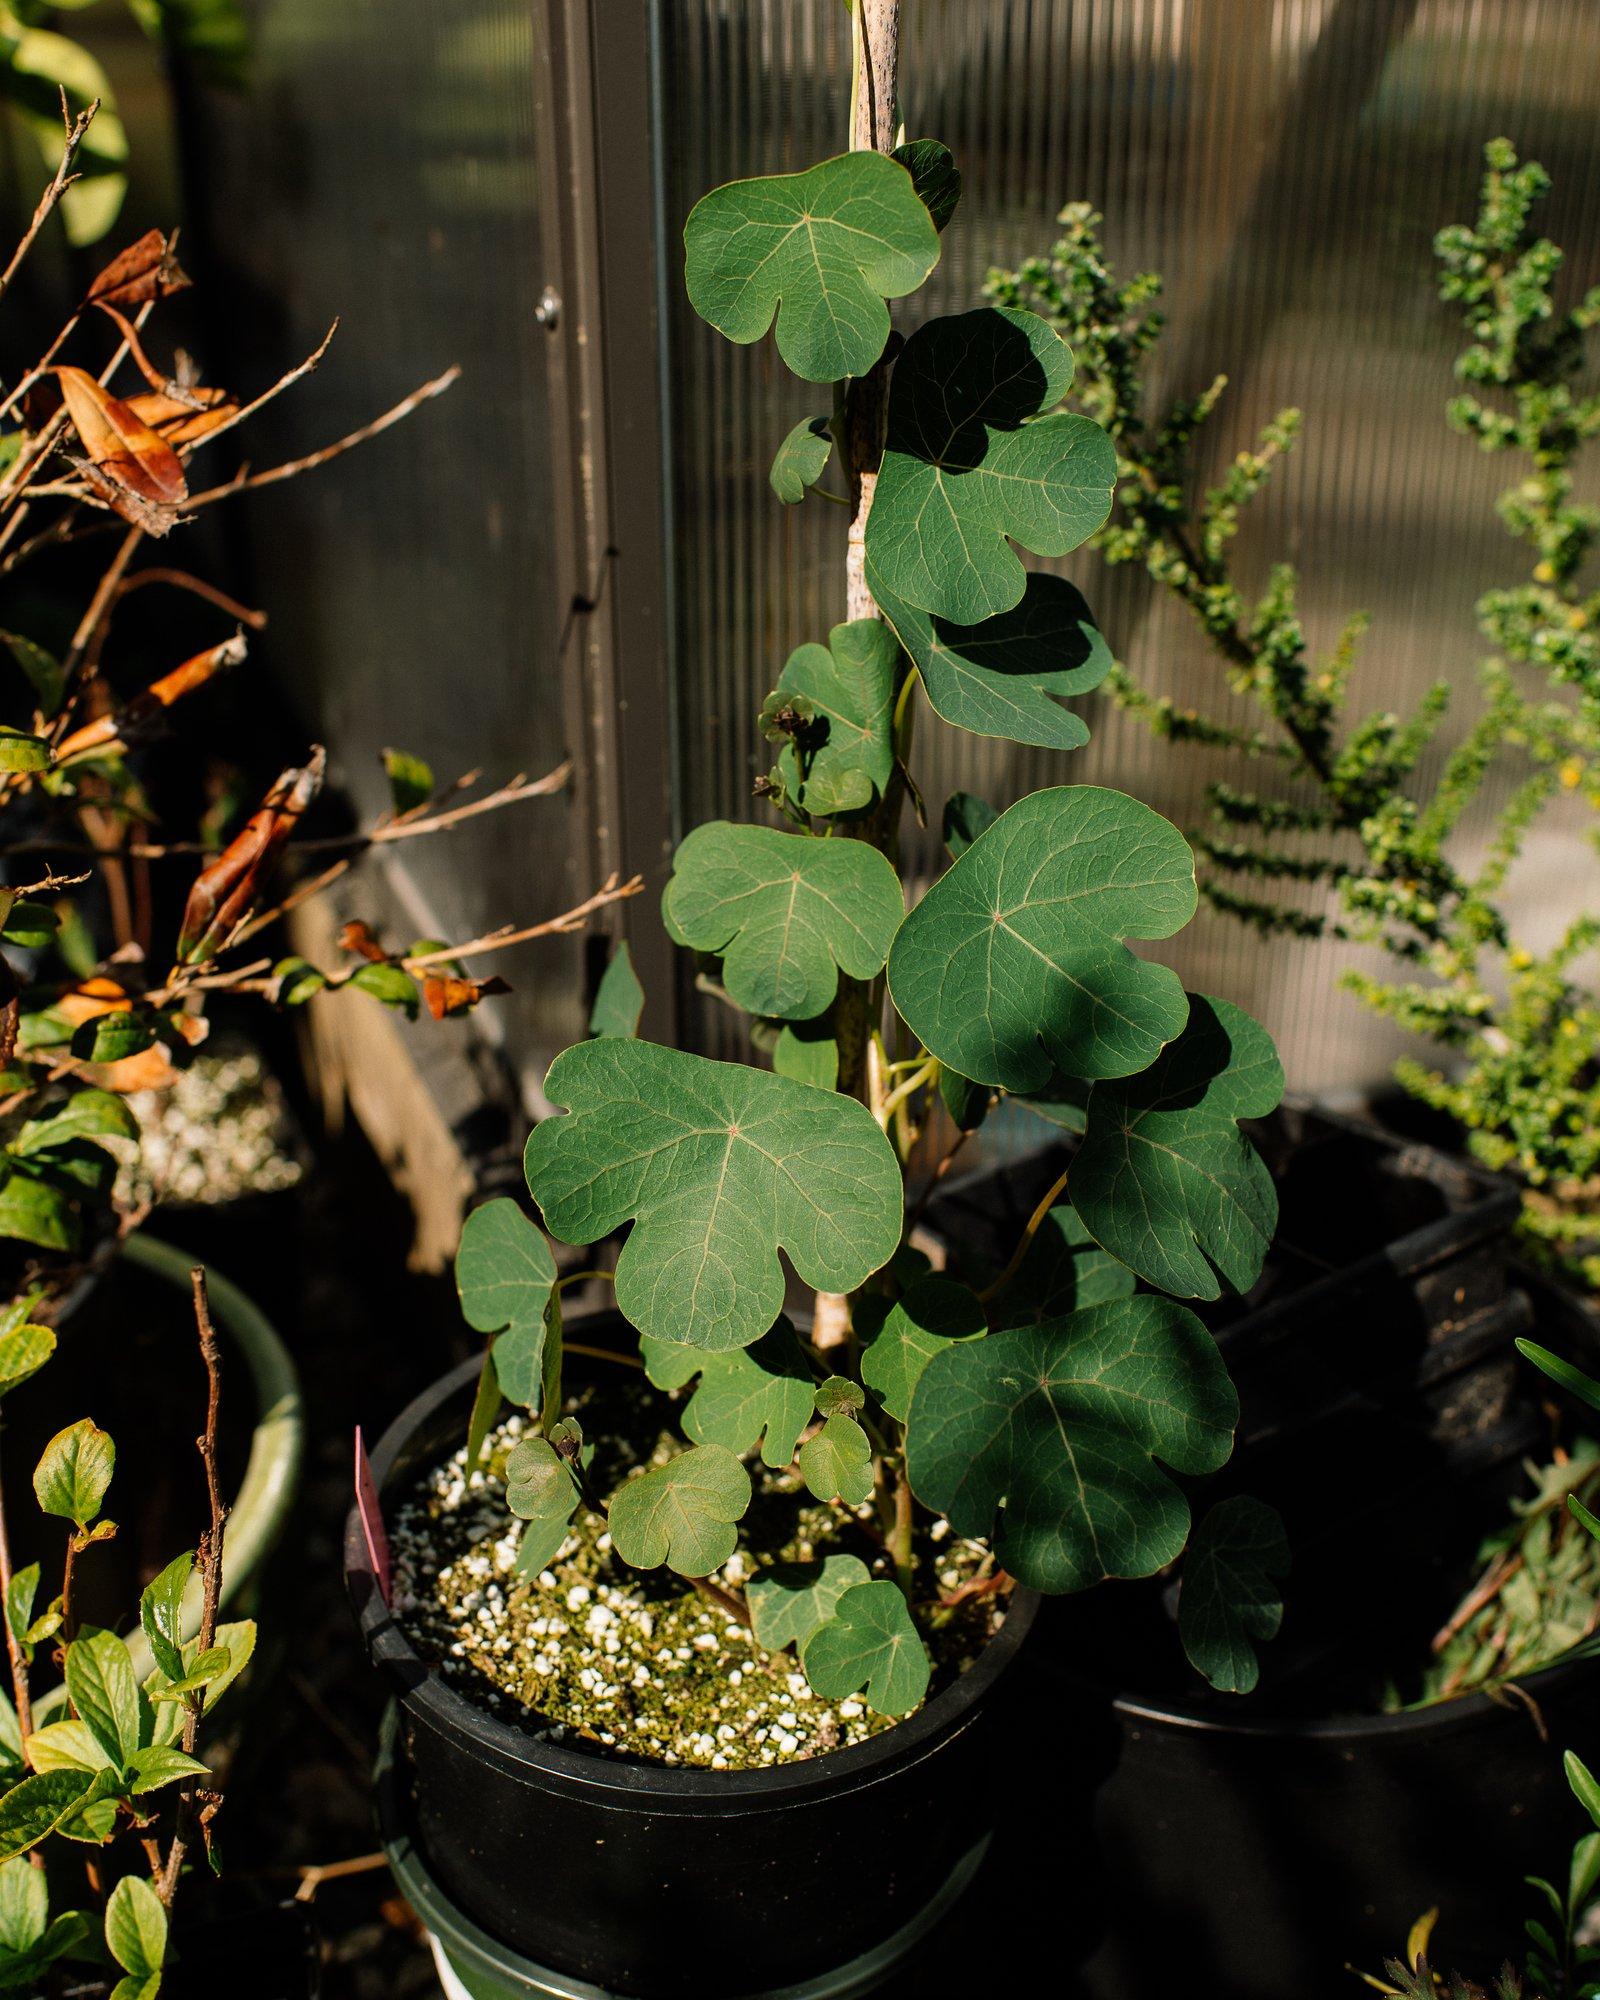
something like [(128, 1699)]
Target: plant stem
[(19, 1666), (1030, 1230), (900, 1531)]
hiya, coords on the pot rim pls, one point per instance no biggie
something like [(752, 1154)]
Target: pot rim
[(425, 1692)]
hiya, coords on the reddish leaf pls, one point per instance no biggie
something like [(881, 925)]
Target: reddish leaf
[(226, 890), (137, 473), (145, 270), (359, 937), (445, 994), (109, 732), (185, 419)]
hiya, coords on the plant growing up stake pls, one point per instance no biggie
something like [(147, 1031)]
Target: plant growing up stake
[(1053, 1412)]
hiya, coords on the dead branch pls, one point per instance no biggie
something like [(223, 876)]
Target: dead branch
[(62, 179)]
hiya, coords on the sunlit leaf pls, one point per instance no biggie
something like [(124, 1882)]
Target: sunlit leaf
[(844, 757), (869, 1643), (681, 1513), (788, 1601), (836, 1462), (74, 1471)]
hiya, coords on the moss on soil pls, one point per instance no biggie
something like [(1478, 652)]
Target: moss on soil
[(639, 1662)]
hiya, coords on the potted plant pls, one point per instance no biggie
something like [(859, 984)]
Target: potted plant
[(653, 1687)]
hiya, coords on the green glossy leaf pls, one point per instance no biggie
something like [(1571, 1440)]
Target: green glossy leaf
[(1165, 1180), (110, 1038), (36, 1807), (136, 1927), (43, 670), (801, 460), (410, 780), (808, 1052), (24, 1905), (1044, 1440), (391, 984), (104, 1689), (1008, 676), (619, 998), (236, 1637), (36, 1211), (298, 981), (87, 1114), (1063, 1269), (836, 1462), (965, 817), (934, 175), (846, 754), (1231, 1599), (787, 913), (20, 1594), (541, 1491), (789, 1601), (69, 1746), (505, 1277), (1584, 1387), (971, 465), (74, 1471), (1582, 1782), (681, 1513), (932, 1314), (760, 1395), (207, 1666), (822, 249), (161, 1615), (720, 1166), (32, 926), (158, 1765), (869, 1643), (1013, 969), (23, 1352)]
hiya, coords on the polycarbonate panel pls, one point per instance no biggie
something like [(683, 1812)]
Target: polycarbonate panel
[(1285, 164)]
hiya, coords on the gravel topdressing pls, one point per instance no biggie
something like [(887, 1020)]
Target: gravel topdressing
[(640, 1662)]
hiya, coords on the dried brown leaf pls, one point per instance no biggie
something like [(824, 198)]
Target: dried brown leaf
[(134, 471), (226, 889), (446, 994), (145, 270)]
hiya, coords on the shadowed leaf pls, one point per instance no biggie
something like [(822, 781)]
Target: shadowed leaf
[(869, 1643), (1231, 1598)]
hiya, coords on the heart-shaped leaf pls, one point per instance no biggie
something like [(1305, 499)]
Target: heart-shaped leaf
[(836, 1462), (505, 1276), (1230, 1599), (1165, 1180), (933, 1313), (760, 1395), (721, 1166), (619, 998), (822, 249), (1008, 676), (845, 756), (970, 465), (1044, 1440), (681, 1513), (801, 460), (1013, 969), (869, 1642), (540, 1490), (787, 913), (1063, 1269), (790, 1600)]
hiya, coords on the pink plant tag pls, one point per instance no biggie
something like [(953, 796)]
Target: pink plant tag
[(371, 1516)]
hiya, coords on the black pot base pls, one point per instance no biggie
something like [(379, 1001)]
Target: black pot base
[(508, 1975)]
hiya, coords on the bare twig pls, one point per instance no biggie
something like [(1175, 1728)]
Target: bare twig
[(60, 182), (611, 891), (180, 579)]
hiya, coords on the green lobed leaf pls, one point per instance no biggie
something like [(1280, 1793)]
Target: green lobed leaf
[(837, 1395), (760, 1395), (104, 1689), (869, 1643), (808, 1052), (1063, 1269), (74, 1471), (1013, 968), (161, 1615), (505, 1278), (1165, 1180), (822, 249), (934, 175), (541, 1491), (681, 1513), (836, 1462), (1231, 1599), (970, 464), (136, 1927), (932, 1314), (1044, 1440), (788, 913), (788, 1601), (23, 1352), (801, 460), (720, 1166), (619, 998), (1008, 676), (846, 756)]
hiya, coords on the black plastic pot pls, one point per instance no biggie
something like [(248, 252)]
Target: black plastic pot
[(662, 1883)]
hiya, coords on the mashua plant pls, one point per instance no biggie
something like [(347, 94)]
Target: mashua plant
[(1515, 1023), (1048, 1413)]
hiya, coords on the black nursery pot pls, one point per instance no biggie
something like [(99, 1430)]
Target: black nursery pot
[(660, 1883)]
